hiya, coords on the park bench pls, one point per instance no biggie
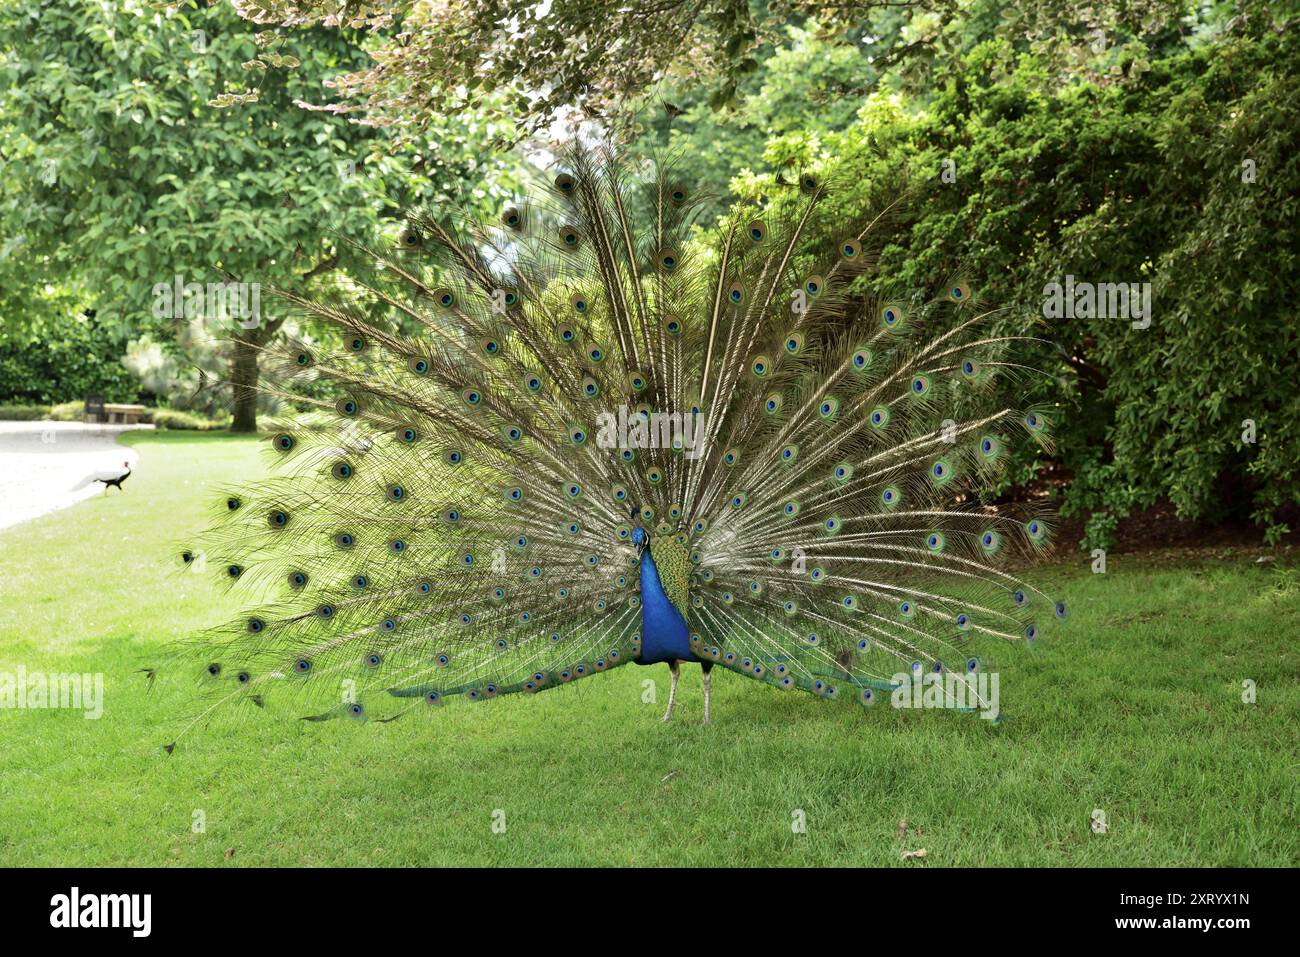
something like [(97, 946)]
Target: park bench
[(97, 410)]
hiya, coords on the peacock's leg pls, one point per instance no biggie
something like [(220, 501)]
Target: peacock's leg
[(706, 669), (675, 668)]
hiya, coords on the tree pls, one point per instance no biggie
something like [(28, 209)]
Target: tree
[(125, 177), (529, 60)]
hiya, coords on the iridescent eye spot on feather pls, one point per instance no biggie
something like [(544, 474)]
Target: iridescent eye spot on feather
[(668, 259), (757, 231), (325, 612), (297, 579), (348, 407), (590, 388), (760, 365), (302, 666), (891, 317), (453, 456), (573, 490), (738, 500), (814, 285), (514, 494), (959, 292), (359, 582), (472, 397), (619, 492), (356, 343), (573, 528), (736, 293), (566, 332), (905, 609), (890, 496), (850, 602), (424, 587), (789, 454), (673, 326), (442, 661), (577, 435), (794, 343), (1035, 422), (445, 298), (233, 504), (1060, 609), (256, 626), (303, 359), (580, 304), (962, 621), (397, 546), (395, 493), (407, 434), (790, 509), (701, 526), (647, 513), (731, 456), (433, 698), (879, 417), (934, 541), (990, 540), (1036, 530), (828, 408), (512, 434), (283, 442), (677, 194), (1031, 633), (1019, 598), (970, 368), (410, 238), (850, 249), (636, 382), (990, 447), (773, 403), (809, 183), (920, 385), (510, 299), (862, 359), (532, 383), (843, 472), (451, 516), (817, 574), (833, 524), (344, 540), (513, 218), (342, 470), (570, 237), (417, 365), (277, 518), (373, 660), (490, 347), (654, 475), (940, 472), (566, 184)]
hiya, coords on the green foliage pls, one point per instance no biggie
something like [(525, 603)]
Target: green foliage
[(1137, 182), (23, 413), (78, 358), (176, 419)]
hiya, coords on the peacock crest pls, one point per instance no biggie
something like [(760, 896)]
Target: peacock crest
[(593, 434)]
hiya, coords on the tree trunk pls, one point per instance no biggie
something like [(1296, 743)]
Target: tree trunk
[(243, 379)]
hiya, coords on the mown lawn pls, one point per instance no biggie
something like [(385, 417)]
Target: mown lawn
[(1132, 706)]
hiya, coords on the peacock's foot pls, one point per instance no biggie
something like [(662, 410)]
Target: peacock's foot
[(668, 715)]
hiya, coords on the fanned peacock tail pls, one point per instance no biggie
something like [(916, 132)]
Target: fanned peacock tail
[(456, 510)]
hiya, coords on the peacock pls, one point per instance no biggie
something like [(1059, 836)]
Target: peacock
[(599, 433)]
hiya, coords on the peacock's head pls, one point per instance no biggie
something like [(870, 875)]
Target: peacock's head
[(639, 540)]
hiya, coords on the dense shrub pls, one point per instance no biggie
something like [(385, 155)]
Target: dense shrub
[(22, 413), (1140, 182), (63, 360)]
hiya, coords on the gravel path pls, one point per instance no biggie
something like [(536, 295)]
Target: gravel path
[(41, 461)]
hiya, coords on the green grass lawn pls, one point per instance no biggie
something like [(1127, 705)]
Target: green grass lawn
[(1132, 706)]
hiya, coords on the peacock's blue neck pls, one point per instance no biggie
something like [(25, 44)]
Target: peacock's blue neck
[(664, 635)]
